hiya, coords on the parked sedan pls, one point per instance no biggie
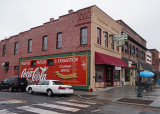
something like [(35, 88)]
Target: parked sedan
[(50, 87)]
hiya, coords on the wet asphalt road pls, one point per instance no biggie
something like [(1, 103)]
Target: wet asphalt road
[(24, 103)]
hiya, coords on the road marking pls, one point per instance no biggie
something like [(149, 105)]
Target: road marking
[(73, 104), (9, 100), (59, 107), (37, 110), (4, 111), (82, 102)]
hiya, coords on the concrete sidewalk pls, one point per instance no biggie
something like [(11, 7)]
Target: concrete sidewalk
[(124, 94)]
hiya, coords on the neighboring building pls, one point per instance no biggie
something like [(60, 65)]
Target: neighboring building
[(155, 58), (133, 50), (76, 49), (149, 57)]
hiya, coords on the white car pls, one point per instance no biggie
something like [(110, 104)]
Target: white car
[(50, 87)]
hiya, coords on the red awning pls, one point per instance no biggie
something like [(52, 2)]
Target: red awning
[(106, 59)]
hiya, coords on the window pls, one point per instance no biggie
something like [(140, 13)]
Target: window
[(83, 36), (116, 75), (127, 75), (99, 73), (40, 83), (15, 48), (33, 63), (4, 50), (126, 47), (46, 83), (137, 52), (44, 44), (130, 49), (117, 48), (50, 62), (133, 51), (59, 40), (122, 48), (106, 39), (30, 45), (98, 36), (112, 44)]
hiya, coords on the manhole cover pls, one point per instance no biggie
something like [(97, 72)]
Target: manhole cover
[(137, 101)]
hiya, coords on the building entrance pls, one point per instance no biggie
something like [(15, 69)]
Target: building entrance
[(109, 75)]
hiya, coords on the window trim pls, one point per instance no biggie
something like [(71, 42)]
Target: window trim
[(99, 35), (58, 41), (83, 37), (15, 48), (43, 44), (4, 50), (106, 39), (29, 46)]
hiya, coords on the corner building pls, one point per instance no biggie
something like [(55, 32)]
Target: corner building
[(76, 48)]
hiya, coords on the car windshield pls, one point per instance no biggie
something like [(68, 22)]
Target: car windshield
[(58, 83)]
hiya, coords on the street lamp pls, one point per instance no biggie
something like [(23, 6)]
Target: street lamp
[(139, 93)]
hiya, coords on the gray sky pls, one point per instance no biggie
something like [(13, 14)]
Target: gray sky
[(143, 16)]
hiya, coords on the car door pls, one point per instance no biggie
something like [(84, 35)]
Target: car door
[(5, 84), (37, 87), (44, 87)]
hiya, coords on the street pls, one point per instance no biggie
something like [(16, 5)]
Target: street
[(22, 102)]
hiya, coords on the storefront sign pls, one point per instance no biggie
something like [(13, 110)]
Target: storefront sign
[(71, 70), (129, 63), (117, 68)]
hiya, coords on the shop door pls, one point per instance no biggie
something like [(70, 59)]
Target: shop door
[(109, 75)]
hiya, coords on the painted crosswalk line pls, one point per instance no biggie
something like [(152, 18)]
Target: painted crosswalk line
[(37, 110), (10, 102), (59, 107), (73, 104), (5, 111)]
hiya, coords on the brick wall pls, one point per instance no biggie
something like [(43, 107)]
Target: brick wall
[(69, 25)]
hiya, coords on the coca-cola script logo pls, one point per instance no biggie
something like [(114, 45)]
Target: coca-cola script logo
[(35, 76)]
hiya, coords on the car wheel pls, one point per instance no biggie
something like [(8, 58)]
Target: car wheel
[(30, 90), (49, 92), (10, 89)]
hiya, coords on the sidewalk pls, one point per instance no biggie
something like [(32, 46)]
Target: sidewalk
[(123, 94)]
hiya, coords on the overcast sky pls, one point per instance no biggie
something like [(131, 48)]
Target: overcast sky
[(143, 16)]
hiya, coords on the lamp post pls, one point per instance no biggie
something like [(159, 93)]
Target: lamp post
[(139, 93)]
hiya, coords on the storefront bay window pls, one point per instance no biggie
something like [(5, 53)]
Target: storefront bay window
[(116, 75), (99, 73), (127, 75)]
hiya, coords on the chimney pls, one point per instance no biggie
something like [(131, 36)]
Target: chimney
[(70, 11), (51, 19)]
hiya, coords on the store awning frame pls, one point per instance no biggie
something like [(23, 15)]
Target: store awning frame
[(110, 60)]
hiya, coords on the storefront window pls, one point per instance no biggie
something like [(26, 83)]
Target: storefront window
[(99, 73), (116, 75), (127, 75)]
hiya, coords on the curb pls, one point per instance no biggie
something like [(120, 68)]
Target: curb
[(78, 95)]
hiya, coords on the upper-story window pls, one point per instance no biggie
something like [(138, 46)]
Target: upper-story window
[(123, 48), (133, 51), (16, 48), (117, 48), (4, 50), (130, 49), (106, 39), (112, 44), (98, 36), (142, 55), (59, 40), (126, 47), (44, 44), (30, 45), (83, 35), (137, 52)]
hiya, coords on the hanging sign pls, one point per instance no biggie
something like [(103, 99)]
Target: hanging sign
[(117, 68)]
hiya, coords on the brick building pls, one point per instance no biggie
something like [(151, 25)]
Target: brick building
[(74, 48)]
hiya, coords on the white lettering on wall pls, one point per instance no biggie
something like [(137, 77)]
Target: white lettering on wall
[(35, 75)]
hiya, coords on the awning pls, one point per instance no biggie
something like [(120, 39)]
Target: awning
[(146, 66), (106, 59)]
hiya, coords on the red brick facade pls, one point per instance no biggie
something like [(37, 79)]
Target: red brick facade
[(155, 59), (70, 26)]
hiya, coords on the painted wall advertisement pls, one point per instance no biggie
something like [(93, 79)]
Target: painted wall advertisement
[(71, 70)]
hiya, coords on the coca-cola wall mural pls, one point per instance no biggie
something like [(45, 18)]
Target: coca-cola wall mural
[(71, 68)]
